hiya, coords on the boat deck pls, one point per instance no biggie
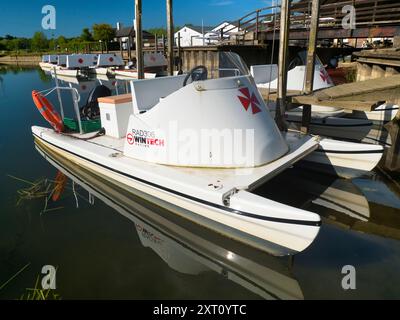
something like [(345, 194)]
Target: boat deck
[(220, 179)]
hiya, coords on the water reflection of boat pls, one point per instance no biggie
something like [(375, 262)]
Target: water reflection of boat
[(359, 205), (184, 246)]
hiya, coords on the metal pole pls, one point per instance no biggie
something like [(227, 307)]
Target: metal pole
[(283, 65), (170, 31), (139, 40), (310, 69), (156, 43), (76, 108), (58, 93)]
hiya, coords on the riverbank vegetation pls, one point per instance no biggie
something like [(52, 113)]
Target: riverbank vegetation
[(100, 37)]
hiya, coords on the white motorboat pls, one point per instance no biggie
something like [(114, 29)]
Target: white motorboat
[(74, 65), (328, 121), (339, 128), (48, 62), (200, 148), (154, 65), (106, 63), (186, 248)]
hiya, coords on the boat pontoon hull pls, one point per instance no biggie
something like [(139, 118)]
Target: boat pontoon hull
[(222, 207)]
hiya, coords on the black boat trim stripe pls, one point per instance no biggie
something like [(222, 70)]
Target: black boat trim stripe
[(384, 110), (369, 124), (192, 198), (351, 152)]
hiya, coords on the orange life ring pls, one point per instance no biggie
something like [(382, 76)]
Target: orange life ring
[(47, 110)]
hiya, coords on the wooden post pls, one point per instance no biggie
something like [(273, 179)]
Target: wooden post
[(163, 45), (312, 45), (310, 69), (139, 40), (179, 54), (170, 31), (129, 48), (257, 22), (283, 65), (156, 43)]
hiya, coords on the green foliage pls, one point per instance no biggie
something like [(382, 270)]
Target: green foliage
[(103, 32), (39, 42), (86, 35)]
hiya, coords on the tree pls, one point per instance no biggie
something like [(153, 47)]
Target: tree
[(14, 44), (103, 32), (86, 35), (61, 42), (39, 41)]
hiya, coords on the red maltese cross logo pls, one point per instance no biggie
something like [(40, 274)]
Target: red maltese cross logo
[(324, 76), (249, 100)]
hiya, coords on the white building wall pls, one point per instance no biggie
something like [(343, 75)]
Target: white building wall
[(188, 37)]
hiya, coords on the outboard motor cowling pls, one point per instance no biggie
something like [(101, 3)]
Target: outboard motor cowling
[(91, 109)]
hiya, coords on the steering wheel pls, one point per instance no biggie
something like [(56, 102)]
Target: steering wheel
[(196, 74)]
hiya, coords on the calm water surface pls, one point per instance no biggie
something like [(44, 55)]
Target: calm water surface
[(106, 244)]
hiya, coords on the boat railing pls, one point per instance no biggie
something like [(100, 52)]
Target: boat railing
[(76, 98)]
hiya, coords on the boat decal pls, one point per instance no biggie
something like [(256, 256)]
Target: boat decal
[(325, 76), (249, 100), (144, 138), (192, 198)]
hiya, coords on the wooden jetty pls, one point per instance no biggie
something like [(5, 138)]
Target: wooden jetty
[(360, 96)]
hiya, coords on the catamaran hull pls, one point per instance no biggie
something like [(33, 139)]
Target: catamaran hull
[(256, 221), (335, 127), (344, 159), (132, 74), (383, 114), (66, 72), (102, 71), (341, 128), (46, 66)]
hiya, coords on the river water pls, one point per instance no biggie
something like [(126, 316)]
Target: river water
[(105, 244)]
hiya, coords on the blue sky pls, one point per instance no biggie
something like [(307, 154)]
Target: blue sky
[(23, 18)]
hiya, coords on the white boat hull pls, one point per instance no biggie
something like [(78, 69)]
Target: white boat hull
[(46, 65), (256, 221), (66, 72), (132, 74), (382, 114), (180, 244), (341, 128), (100, 71), (344, 159)]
